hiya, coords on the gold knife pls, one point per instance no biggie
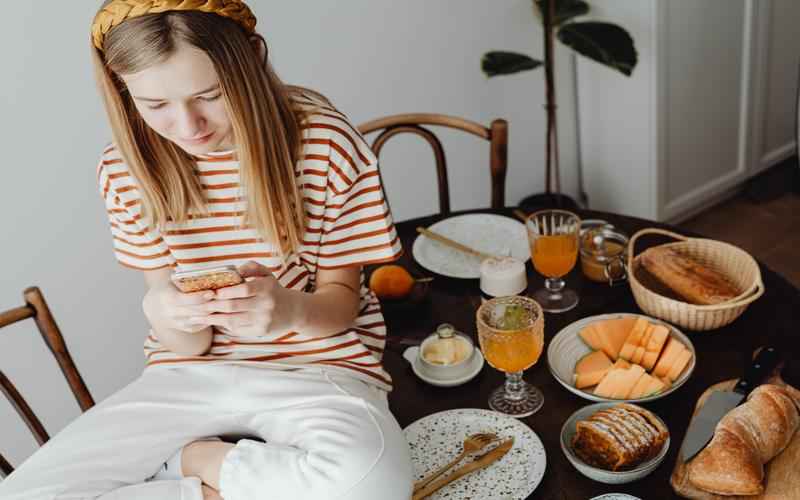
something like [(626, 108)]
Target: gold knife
[(482, 461)]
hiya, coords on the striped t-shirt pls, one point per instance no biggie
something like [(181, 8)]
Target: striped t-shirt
[(348, 224)]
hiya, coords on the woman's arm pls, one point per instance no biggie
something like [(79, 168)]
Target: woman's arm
[(334, 304), (262, 305), (169, 311)]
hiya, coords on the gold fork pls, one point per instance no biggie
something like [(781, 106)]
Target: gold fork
[(472, 444)]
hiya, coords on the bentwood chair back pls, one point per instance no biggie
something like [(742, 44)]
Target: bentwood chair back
[(35, 308), (496, 134)]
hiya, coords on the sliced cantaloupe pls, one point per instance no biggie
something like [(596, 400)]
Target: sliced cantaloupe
[(638, 331), (677, 367), (658, 338), (627, 351), (626, 324), (612, 334), (646, 336), (589, 336), (667, 382), (621, 363), (668, 356), (655, 387), (638, 355), (627, 381), (649, 360), (590, 369), (609, 383), (589, 379), (640, 387), (594, 361)]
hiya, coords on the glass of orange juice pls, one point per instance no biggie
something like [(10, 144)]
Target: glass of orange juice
[(511, 336), (553, 236)]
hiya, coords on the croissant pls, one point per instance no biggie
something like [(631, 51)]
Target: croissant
[(744, 440)]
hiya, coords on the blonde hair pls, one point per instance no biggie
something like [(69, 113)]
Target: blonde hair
[(265, 122)]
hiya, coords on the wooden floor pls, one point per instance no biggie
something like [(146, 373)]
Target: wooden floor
[(769, 230)]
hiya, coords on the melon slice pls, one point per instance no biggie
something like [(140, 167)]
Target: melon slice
[(679, 364), (655, 387), (627, 381), (612, 334), (622, 364), (627, 351), (646, 336), (638, 331), (589, 379), (668, 356), (658, 338), (589, 335), (640, 387), (649, 360), (638, 355), (594, 361), (667, 382), (608, 385), (590, 369)]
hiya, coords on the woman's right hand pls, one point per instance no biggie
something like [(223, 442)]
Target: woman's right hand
[(166, 306)]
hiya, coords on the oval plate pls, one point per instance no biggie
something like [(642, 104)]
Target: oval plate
[(567, 348), (434, 441), (489, 233)]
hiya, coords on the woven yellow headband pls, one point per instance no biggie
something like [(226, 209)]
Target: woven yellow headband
[(119, 11)]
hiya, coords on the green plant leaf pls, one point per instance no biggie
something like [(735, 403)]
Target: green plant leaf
[(565, 10), (606, 43), (507, 63)]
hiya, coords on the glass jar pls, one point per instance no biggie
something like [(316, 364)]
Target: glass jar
[(604, 253)]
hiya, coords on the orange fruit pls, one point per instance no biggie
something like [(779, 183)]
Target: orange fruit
[(391, 282)]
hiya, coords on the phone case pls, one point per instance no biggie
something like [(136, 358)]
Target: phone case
[(206, 279)]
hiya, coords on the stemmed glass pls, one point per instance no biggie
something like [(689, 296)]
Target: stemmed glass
[(511, 336), (553, 236)]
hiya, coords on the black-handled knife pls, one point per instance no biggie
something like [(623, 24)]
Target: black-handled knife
[(720, 403)]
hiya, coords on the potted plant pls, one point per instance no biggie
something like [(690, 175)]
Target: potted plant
[(605, 43)]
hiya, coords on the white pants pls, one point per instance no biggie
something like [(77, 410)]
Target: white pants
[(325, 436)]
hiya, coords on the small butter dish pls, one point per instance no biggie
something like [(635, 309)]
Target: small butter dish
[(446, 358)]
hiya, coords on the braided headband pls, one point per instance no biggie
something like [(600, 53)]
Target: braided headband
[(119, 11)]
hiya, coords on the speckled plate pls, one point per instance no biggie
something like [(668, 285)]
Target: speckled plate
[(489, 233), (436, 439)]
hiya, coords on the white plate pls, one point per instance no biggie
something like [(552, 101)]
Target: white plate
[(615, 496), (567, 347), (488, 233), (436, 439), (411, 356)]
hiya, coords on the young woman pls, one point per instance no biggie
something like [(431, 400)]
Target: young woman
[(216, 162)]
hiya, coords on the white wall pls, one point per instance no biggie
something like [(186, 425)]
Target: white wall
[(371, 57), (783, 58)]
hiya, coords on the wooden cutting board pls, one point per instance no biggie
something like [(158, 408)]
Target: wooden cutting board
[(781, 476)]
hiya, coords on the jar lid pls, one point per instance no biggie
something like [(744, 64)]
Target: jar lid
[(589, 224), (594, 243)]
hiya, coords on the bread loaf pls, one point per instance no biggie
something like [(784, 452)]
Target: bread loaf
[(619, 438), (694, 282), (744, 440)]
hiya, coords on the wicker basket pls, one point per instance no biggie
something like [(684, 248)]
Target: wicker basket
[(728, 259)]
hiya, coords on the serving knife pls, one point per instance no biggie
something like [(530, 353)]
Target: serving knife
[(482, 461), (719, 403)]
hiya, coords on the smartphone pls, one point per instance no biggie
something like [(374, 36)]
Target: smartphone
[(206, 279)]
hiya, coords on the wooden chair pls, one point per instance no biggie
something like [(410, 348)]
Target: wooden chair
[(496, 134), (35, 307)]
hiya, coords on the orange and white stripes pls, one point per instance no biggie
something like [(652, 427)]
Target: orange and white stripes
[(348, 224)]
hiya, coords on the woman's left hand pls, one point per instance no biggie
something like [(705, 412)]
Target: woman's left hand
[(253, 308)]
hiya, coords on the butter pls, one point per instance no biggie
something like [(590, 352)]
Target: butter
[(447, 351)]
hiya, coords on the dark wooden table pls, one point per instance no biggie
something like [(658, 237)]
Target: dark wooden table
[(721, 354)]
